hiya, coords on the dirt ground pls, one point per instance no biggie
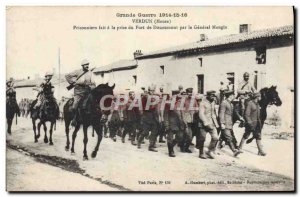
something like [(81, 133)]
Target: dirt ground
[(123, 167), (24, 173)]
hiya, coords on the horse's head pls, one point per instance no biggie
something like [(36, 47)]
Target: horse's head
[(103, 90), (271, 96)]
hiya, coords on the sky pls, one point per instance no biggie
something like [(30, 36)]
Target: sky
[(35, 34)]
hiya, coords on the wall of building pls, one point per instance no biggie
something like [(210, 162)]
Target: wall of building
[(123, 80), (280, 72), (214, 67)]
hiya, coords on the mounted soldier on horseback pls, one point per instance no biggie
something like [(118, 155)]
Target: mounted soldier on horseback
[(82, 82), (44, 108), (45, 95), (85, 108), (12, 107)]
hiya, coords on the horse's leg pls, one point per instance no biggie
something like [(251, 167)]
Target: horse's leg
[(98, 129), (74, 137), (39, 129), (34, 130), (67, 130), (45, 130), (9, 123), (85, 141), (51, 130)]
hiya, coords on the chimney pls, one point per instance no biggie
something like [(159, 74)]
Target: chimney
[(203, 37), (137, 53), (245, 28)]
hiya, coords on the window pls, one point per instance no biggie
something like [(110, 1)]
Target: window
[(244, 28), (261, 55), (200, 84), (162, 70), (200, 61), (134, 79), (231, 81)]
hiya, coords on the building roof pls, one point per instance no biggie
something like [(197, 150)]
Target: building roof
[(119, 65), (225, 40), (36, 82)]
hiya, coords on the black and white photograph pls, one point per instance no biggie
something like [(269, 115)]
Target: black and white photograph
[(150, 99)]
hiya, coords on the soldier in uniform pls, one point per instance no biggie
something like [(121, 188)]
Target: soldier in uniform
[(83, 82), (22, 107), (46, 93), (187, 115), (208, 124), (61, 107), (238, 115), (114, 121), (253, 123), (161, 130), (11, 94), (226, 113), (131, 120), (245, 85), (150, 121), (174, 126)]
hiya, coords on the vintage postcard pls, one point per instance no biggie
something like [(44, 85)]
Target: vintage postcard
[(133, 99)]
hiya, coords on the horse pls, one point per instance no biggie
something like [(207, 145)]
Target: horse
[(89, 113), (12, 108), (46, 113)]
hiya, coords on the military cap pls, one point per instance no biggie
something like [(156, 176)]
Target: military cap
[(210, 92), (180, 87), (85, 62), (255, 95), (48, 74), (189, 90), (246, 74), (131, 92), (143, 88), (228, 92)]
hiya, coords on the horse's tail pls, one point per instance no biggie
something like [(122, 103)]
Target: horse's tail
[(55, 125), (16, 119)]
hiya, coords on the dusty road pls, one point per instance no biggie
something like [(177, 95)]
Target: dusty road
[(24, 173), (121, 166)]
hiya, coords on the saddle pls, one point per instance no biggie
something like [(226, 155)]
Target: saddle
[(49, 106), (84, 103)]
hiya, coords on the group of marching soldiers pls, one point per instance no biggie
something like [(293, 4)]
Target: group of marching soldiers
[(24, 106), (179, 127)]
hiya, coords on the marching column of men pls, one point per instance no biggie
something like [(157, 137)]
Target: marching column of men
[(177, 125), (180, 124)]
